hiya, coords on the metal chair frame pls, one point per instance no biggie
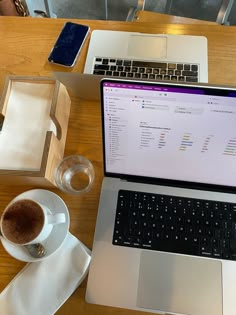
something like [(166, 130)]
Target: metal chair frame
[(222, 16), (47, 6)]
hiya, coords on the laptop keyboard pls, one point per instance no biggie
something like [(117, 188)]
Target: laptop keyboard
[(175, 224), (126, 68)]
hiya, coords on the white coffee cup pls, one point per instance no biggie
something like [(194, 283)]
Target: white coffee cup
[(26, 221)]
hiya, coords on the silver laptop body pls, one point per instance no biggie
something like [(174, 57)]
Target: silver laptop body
[(149, 47), (194, 158)]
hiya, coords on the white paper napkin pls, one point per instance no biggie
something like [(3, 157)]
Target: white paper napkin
[(42, 287), (27, 117)]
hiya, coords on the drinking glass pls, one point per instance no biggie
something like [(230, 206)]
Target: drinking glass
[(74, 174)]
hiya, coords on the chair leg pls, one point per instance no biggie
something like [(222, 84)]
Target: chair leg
[(168, 6), (223, 14), (141, 4), (106, 10), (133, 10), (48, 8)]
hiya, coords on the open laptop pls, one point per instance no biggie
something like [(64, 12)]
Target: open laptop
[(165, 231), (148, 56)]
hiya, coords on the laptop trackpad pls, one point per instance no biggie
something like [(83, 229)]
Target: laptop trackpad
[(180, 284), (147, 46)]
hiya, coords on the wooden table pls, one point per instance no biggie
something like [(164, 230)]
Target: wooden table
[(25, 45)]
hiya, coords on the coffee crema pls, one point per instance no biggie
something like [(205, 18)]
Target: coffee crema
[(22, 221)]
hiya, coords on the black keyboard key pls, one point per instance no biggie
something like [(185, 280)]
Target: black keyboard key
[(192, 79), (186, 67), (147, 64), (152, 76), (194, 67), (177, 246), (233, 256), (127, 63), (127, 69), (101, 67), (163, 72), (134, 69), (177, 72), (232, 245), (180, 66), (204, 252), (189, 73), (172, 66), (156, 71), (216, 252), (233, 229), (99, 72), (120, 68), (226, 255), (170, 72)]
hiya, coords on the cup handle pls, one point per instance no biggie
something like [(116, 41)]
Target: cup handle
[(56, 218)]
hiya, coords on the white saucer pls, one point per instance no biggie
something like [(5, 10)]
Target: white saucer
[(59, 231)]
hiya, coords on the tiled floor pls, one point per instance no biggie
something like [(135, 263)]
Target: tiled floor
[(118, 9)]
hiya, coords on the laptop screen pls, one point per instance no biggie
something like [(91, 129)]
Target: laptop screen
[(169, 131)]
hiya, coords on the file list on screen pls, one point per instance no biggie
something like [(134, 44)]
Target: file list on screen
[(179, 133)]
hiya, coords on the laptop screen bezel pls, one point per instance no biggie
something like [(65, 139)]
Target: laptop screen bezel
[(219, 90)]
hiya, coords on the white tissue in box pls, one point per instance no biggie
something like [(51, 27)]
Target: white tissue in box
[(25, 125)]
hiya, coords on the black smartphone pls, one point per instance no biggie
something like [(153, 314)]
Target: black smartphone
[(68, 44)]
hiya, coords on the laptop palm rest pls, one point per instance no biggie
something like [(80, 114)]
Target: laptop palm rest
[(180, 284)]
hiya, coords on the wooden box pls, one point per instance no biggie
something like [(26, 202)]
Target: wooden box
[(34, 112)]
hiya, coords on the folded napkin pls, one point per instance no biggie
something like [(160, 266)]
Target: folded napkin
[(42, 287)]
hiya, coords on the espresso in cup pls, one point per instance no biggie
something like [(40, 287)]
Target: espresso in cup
[(22, 221), (26, 222)]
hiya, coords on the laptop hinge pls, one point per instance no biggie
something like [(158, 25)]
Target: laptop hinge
[(179, 184)]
